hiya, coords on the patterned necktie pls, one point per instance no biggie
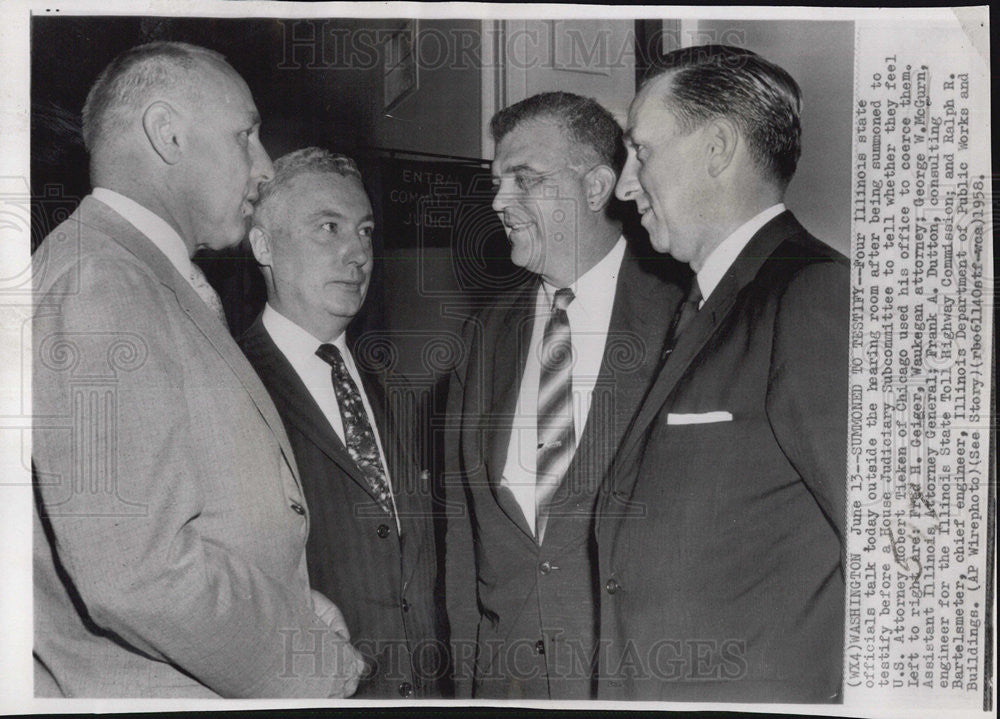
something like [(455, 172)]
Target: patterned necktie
[(556, 436), (358, 434), (685, 313), (207, 294)]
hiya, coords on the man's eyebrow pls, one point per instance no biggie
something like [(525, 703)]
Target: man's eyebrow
[(316, 214), (333, 214), (523, 167)]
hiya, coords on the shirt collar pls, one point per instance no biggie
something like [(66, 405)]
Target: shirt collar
[(293, 339), (723, 256), (154, 227), (594, 284)]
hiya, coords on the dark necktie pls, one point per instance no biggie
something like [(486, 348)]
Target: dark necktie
[(685, 313), (358, 434), (556, 435)]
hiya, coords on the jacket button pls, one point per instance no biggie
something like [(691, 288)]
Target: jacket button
[(298, 508), (406, 690), (544, 567), (540, 646), (382, 531), (404, 605), (612, 586)]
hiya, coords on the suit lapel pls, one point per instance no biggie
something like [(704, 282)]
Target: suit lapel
[(296, 404), (101, 217), (703, 326), (510, 353), (641, 301), (398, 443), (636, 334)]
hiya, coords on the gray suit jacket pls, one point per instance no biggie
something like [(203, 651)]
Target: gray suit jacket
[(170, 525)]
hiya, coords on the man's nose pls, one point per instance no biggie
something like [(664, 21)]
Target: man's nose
[(502, 199), (261, 170), (628, 183), (358, 251)]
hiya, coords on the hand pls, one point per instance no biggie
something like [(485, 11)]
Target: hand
[(330, 614), (350, 662)]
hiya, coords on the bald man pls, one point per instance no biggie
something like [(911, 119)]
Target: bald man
[(170, 523)]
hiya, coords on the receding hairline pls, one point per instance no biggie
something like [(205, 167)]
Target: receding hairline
[(649, 92), (578, 150), (216, 73), (658, 88)]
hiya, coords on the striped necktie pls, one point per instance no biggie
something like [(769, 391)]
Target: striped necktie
[(556, 434)]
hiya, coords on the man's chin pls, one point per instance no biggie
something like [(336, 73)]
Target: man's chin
[(234, 234), (659, 238), (220, 245), (526, 253), (347, 303)]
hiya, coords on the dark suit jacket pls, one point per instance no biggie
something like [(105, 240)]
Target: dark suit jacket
[(381, 581), (720, 542), (523, 617)]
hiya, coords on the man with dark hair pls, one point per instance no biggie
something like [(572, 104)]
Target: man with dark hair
[(553, 375), (170, 525), (721, 522), (371, 542)]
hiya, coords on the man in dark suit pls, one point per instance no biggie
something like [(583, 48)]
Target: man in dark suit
[(721, 522), (554, 373), (371, 546)]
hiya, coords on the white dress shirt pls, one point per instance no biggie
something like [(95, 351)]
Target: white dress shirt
[(723, 256), (299, 347), (589, 316), (154, 227)]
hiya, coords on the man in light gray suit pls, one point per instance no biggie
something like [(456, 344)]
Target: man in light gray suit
[(170, 524)]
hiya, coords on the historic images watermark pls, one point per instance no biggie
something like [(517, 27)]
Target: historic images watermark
[(326, 45)]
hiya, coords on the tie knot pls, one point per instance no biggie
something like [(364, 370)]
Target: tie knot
[(330, 354), (694, 293), (562, 299), (197, 275)]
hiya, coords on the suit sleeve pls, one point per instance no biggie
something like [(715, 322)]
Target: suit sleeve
[(807, 399), (460, 560), (126, 537)]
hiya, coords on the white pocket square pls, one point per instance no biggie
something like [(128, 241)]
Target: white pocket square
[(699, 417)]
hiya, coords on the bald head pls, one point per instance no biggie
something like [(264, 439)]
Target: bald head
[(175, 128), (135, 78)]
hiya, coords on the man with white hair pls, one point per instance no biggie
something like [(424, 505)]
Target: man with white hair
[(371, 544), (170, 523)]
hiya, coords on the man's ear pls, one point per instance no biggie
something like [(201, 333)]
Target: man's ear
[(600, 186), (722, 137), (260, 244), (161, 124)]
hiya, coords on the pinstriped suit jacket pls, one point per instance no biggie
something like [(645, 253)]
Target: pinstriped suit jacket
[(383, 581)]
